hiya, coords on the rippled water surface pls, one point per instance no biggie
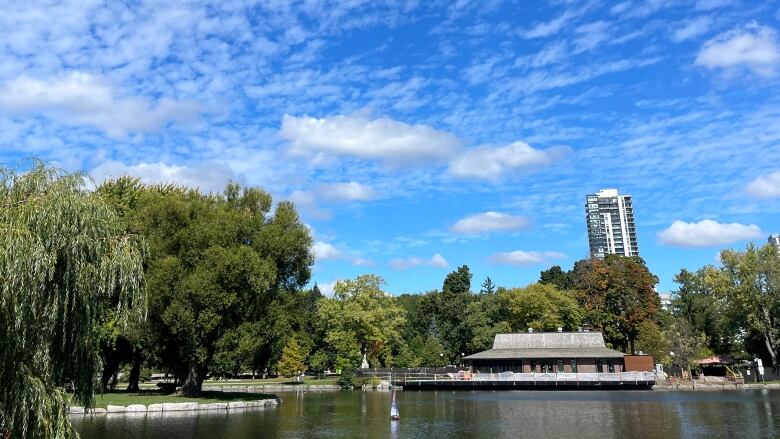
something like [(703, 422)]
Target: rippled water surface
[(477, 414)]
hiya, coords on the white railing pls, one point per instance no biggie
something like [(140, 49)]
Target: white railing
[(546, 377)]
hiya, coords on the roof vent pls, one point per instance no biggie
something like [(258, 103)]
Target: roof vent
[(579, 329), (560, 329), (530, 329)]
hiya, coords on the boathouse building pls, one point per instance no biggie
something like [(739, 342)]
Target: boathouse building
[(548, 352)]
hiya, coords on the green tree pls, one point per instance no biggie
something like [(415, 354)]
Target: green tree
[(63, 255), (698, 301), (686, 346), (557, 277), (319, 360), (453, 300), (749, 281), (484, 318), (361, 319), (652, 341), (541, 307), (218, 263), (488, 287), (618, 293), (293, 361), (432, 353)]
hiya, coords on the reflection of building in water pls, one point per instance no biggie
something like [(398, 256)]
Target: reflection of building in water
[(548, 352), (535, 412)]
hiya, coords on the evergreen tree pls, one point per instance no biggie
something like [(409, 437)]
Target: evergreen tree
[(488, 287)]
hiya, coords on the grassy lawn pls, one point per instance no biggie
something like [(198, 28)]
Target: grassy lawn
[(147, 397), (309, 381), (312, 381)]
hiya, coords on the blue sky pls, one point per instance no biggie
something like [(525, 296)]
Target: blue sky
[(416, 136)]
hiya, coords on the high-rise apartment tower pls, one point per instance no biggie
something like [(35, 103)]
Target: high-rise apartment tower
[(611, 228), (775, 240)]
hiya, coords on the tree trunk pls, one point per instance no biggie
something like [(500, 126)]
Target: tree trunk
[(194, 381), (632, 346), (109, 370), (769, 340), (135, 372)]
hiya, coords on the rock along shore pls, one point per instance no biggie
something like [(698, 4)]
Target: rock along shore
[(177, 407), (716, 386)]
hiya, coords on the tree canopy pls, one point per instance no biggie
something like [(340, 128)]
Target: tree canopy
[(64, 255), (361, 320), (221, 268)]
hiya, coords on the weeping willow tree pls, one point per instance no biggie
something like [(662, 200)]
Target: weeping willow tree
[(63, 256)]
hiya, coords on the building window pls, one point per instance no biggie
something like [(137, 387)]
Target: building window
[(533, 366), (560, 366), (599, 366), (611, 366), (573, 366)]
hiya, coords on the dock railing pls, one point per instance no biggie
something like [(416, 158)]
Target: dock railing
[(603, 377)]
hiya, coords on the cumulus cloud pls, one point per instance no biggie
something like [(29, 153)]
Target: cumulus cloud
[(436, 260), (83, 99), (357, 135), (489, 222), (491, 163), (707, 233), (524, 258), (324, 251), (753, 47), (346, 192), (765, 186), (208, 177)]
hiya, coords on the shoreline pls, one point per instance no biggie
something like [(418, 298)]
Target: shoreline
[(704, 387), (168, 407)]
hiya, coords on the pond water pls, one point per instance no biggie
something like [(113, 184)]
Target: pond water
[(469, 414)]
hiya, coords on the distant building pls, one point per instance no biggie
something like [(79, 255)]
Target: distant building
[(775, 240), (548, 352), (611, 228), (666, 301)]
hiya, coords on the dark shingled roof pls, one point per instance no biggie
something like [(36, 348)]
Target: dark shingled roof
[(547, 345)]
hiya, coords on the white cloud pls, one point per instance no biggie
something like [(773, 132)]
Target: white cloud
[(83, 99), (754, 47), (489, 222), (327, 288), (713, 4), (707, 233), (550, 27), (346, 192), (356, 135), (493, 163), (326, 252), (765, 186), (436, 260), (691, 28), (208, 177), (523, 258)]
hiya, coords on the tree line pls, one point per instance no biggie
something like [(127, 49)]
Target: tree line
[(137, 277)]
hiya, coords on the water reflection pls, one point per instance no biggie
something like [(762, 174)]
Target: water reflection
[(432, 415)]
